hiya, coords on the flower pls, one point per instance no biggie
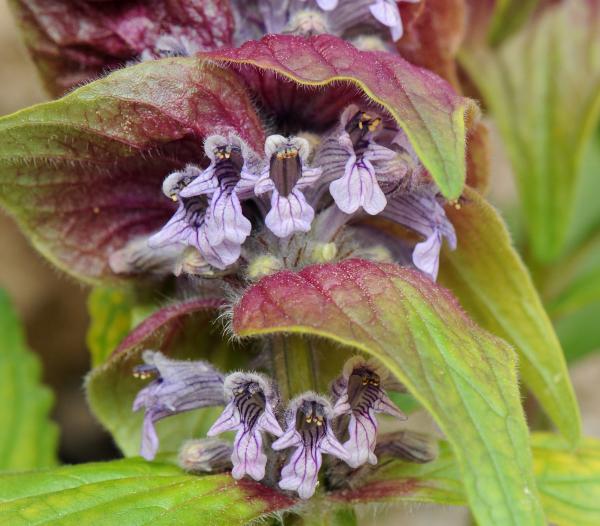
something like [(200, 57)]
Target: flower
[(179, 386), (285, 175), (388, 13), (306, 17), (309, 430), (359, 394), (186, 226), (207, 455), (365, 164), (420, 211), (360, 155), (249, 411), (210, 216)]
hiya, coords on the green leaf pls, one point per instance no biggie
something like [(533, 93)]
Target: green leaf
[(132, 492), (508, 16), (464, 376), (543, 89), (393, 481), (28, 439), (110, 311), (568, 480), (492, 284), (181, 330), (583, 291), (579, 332), (586, 219)]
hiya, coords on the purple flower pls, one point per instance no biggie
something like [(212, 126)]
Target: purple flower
[(358, 187), (179, 386), (186, 225), (420, 211), (250, 413), (388, 13), (285, 176), (210, 215), (228, 179), (309, 430), (308, 17), (360, 394)]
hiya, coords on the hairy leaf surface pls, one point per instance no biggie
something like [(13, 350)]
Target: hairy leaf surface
[(492, 284), (83, 175), (434, 117), (132, 492), (464, 376)]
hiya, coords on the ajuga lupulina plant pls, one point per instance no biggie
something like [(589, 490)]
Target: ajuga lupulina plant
[(282, 206)]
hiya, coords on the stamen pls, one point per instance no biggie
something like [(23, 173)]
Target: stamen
[(360, 125), (309, 431), (144, 371)]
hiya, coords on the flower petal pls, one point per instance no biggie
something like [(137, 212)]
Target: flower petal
[(289, 214), (358, 188), (426, 255)]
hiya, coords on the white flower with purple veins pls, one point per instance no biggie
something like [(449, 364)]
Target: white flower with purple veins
[(224, 182), (186, 226), (179, 385), (360, 394), (387, 12), (308, 430), (358, 187), (285, 176), (249, 412), (420, 211)]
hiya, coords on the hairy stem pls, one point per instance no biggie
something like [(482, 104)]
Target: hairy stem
[(293, 364)]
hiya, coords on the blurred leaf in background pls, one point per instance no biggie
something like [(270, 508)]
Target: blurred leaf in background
[(28, 439), (542, 87), (111, 317)]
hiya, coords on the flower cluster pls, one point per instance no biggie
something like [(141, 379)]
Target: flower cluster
[(364, 166), (309, 17), (252, 410)]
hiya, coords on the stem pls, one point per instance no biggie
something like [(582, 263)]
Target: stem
[(293, 364)]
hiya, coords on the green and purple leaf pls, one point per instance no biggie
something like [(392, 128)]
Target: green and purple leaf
[(111, 316), (433, 116), (83, 175), (465, 377), (73, 41), (182, 330)]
